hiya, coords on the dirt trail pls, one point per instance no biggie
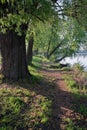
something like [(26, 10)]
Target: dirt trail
[(62, 106)]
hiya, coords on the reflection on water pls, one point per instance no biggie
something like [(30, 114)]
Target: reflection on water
[(79, 58)]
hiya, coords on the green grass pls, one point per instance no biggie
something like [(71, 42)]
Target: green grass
[(79, 102), (40, 59), (36, 64), (58, 66), (37, 59), (72, 126), (36, 76), (22, 109)]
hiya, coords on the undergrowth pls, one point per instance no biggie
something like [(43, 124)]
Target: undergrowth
[(79, 104), (71, 125), (21, 109)]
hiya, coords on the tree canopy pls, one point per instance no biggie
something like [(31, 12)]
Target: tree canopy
[(17, 14), (61, 38)]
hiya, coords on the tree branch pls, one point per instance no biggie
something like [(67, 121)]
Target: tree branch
[(49, 55)]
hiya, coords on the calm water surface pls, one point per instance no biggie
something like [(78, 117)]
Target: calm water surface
[(79, 58)]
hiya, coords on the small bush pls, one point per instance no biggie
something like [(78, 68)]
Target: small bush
[(70, 82), (72, 126), (80, 76), (78, 69)]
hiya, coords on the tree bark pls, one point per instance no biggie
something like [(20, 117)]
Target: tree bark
[(49, 55), (48, 50), (58, 60), (30, 50), (13, 51)]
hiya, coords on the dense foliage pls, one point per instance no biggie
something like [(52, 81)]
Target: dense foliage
[(17, 14)]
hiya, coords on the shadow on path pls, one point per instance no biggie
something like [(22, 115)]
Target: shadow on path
[(53, 87)]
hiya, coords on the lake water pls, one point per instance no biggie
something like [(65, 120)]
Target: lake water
[(78, 58)]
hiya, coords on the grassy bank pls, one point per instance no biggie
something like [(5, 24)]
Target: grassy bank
[(22, 109), (79, 121), (24, 104)]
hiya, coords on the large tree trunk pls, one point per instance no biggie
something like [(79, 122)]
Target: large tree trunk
[(30, 50), (13, 53)]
